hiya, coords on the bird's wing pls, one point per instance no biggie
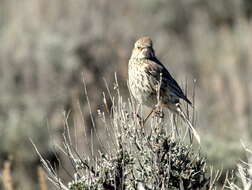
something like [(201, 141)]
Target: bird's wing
[(155, 68)]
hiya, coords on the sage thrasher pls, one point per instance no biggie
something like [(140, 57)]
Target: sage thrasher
[(152, 85)]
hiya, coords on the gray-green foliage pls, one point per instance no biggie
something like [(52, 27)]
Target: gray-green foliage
[(160, 163), (139, 157), (151, 157)]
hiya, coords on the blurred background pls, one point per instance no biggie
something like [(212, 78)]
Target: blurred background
[(46, 45)]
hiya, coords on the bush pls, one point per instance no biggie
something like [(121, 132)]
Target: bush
[(138, 157)]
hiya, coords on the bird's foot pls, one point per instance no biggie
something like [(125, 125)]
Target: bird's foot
[(159, 114)]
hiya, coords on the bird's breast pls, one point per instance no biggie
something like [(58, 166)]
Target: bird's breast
[(139, 83)]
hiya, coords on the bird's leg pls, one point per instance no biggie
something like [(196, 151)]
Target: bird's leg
[(152, 110), (158, 113)]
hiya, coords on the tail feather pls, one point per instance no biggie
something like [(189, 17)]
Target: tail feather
[(183, 116)]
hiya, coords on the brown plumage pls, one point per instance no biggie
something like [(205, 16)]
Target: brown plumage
[(150, 82)]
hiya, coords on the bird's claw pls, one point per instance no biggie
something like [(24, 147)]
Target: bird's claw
[(159, 114)]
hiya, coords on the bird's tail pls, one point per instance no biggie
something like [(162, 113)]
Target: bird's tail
[(184, 117)]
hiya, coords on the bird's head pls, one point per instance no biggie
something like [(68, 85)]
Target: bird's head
[(143, 49)]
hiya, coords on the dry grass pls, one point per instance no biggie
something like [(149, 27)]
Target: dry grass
[(42, 179), (7, 177), (158, 156), (131, 155)]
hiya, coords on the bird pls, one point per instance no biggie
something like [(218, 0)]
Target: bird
[(151, 84)]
